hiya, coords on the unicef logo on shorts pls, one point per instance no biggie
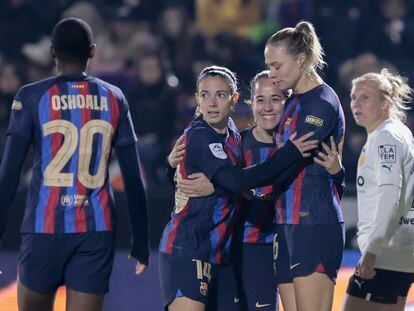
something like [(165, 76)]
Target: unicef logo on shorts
[(66, 200)]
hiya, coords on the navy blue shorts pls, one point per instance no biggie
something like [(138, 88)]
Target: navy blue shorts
[(211, 284), (80, 261), (384, 287), (310, 248), (281, 257), (255, 275)]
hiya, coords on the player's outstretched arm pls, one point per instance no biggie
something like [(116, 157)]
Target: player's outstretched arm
[(137, 203), (235, 180), (10, 168)]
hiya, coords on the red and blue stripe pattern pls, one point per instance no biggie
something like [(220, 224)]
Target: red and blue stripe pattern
[(258, 211), (95, 213), (224, 209), (203, 228), (291, 198), (170, 232)]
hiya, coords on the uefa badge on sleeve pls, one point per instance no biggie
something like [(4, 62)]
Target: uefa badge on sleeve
[(203, 288)]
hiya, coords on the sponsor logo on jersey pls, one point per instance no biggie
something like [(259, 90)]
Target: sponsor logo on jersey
[(74, 200), (360, 181), (217, 150), (314, 120), (203, 288), (406, 221), (387, 153), (362, 158), (16, 105)]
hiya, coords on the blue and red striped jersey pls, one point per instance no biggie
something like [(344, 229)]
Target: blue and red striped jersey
[(257, 207), (73, 122), (312, 197), (202, 228)]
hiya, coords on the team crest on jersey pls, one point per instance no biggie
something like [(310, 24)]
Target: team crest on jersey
[(314, 120), (387, 153), (16, 105), (287, 123), (361, 160), (203, 288), (217, 150)]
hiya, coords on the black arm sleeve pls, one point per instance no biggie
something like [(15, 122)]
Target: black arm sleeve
[(170, 171), (10, 168), (339, 181), (236, 180), (137, 201)]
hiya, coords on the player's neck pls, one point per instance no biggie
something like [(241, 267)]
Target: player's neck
[(263, 135), (70, 69)]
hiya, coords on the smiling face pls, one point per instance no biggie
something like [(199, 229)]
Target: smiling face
[(285, 69), (368, 105), (267, 104), (214, 96)]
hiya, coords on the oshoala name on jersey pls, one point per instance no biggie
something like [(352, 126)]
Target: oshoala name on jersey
[(92, 102)]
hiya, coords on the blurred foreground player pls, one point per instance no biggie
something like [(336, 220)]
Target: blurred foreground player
[(73, 120)]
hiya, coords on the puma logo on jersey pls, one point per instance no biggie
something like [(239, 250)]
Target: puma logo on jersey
[(359, 283), (387, 167)]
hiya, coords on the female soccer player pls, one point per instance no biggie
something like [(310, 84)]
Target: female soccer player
[(307, 208), (73, 120), (254, 253), (196, 242), (253, 247), (385, 184)]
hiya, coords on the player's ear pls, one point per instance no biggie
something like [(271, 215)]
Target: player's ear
[(235, 98), (92, 52), (386, 104)]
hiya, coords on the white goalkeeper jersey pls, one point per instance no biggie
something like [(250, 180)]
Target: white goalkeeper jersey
[(386, 219)]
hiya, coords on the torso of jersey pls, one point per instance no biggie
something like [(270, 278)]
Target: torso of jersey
[(73, 122), (311, 196), (202, 228), (388, 159), (257, 209)]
